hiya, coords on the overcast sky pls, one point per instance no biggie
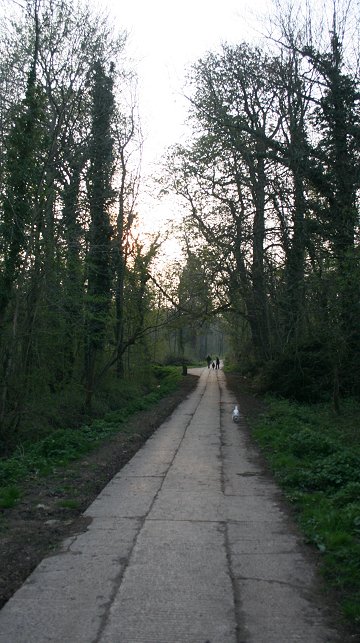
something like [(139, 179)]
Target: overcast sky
[(165, 37)]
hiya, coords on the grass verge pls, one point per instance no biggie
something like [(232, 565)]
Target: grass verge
[(315, 457), (33, 459)]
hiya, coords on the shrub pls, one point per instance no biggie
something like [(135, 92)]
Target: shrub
[(302, 375), (177, 360)]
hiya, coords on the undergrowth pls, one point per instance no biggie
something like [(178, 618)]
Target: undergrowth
[(61, 446), (315, 457)]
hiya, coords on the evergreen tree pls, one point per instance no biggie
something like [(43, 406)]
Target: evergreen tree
[(338, 182)]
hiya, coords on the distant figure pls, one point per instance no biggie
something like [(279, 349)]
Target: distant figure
[(236, 414), (208, 359), (217, 363), (213, 364)]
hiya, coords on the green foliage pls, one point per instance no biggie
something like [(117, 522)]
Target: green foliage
[(177, 360), (303, 374), (315, 457), (69, 503), (337, 470), (348, 494), (64, 139), (63, 446), (9, 496), (307, 443)]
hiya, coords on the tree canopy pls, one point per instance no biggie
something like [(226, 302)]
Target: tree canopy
[(69, 257), (271, 182)]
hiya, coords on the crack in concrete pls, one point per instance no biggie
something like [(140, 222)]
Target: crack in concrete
[(116, 584), (249, 474), (187, 520), (272, 581), (120, 576), (239, 619), (159, 475)]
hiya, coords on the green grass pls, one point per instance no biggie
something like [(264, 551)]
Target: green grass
[(315, 456), (9, 496), (63, 446), (69, 503)]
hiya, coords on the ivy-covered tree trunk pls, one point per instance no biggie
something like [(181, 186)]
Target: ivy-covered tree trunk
[(257, 310), (73, 279), (339, 110), (338, 152), (295, 256), (20, 187), (22, 178), (119, 269), (100, 197)]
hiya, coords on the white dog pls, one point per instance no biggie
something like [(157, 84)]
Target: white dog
[(236, 414)]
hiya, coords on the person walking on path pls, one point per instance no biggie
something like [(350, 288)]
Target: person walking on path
[(217, 363), (208, 360)]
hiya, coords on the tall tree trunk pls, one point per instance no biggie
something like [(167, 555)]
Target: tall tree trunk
[(120, 263), (100, 197), (294, 266), (259, 312), (73, 287)]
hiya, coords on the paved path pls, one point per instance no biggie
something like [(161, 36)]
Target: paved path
[(187, 544)]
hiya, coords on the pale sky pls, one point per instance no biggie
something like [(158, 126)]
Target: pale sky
[(165, 37)]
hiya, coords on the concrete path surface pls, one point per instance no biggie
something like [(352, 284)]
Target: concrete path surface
[(187, 544)]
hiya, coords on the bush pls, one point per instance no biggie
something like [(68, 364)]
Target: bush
[(304, 375), (177, 360)]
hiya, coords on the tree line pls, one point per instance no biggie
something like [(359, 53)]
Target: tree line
[(270, 183), (74, 289)]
